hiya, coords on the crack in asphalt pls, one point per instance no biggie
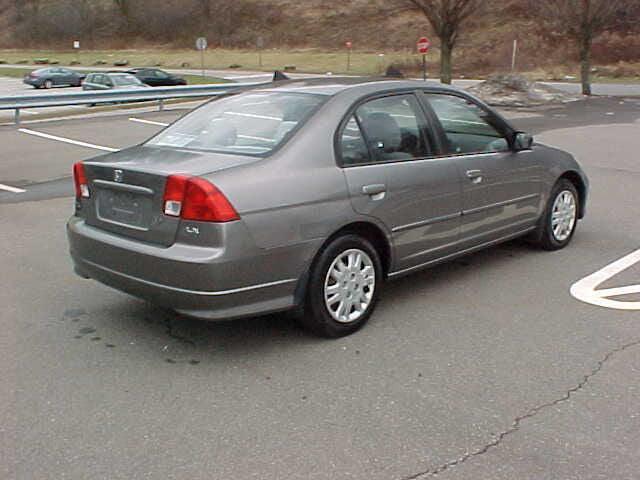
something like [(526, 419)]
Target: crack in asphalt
[(515, 425)]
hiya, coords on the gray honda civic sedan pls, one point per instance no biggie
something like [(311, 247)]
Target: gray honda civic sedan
[(310, 195)]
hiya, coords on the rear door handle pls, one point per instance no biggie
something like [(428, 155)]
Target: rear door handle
[(474, 175), (375, 189)]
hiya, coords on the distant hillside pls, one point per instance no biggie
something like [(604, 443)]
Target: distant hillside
[(372, 25)]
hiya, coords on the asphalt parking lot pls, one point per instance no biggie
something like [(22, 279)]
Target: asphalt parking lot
[(483, 368)]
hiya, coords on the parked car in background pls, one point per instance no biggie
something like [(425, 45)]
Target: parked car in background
[(111, 80), (54, 77), (155, 77), (311, 194)]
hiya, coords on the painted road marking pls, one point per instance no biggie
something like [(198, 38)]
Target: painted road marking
[(67, 140), (149, 122), (11, 189), (585, 289)]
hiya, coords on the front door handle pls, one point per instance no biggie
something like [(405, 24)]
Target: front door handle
[(375, 189), (474, 175)]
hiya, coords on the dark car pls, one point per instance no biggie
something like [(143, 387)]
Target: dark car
[(111, 80), (155, 77), (54, 77), (311, 195)]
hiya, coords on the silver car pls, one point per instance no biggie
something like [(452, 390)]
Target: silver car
[(310, 195), (111, 81)]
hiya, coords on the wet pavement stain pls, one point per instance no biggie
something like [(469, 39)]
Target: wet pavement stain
[(194, 362), (110, 345), (95, 339), (86, 330)]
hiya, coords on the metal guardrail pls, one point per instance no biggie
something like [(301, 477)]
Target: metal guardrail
[(91, 97)]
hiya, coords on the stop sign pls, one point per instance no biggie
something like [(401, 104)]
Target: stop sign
[(423, 45)]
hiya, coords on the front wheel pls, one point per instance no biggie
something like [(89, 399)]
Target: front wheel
[(558, 223), (343, 287)]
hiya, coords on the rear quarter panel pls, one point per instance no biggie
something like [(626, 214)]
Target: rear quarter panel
[(298, 194)]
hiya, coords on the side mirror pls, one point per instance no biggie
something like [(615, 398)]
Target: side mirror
[(522, 141)]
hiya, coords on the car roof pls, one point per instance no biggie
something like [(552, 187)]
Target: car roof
[(331, 86)]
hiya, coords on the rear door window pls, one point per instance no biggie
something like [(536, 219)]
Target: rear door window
[(394, 128)]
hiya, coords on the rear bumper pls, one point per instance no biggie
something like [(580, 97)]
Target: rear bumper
[(210, 283)]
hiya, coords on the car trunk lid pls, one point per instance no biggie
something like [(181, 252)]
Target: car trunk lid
[(127, 189)]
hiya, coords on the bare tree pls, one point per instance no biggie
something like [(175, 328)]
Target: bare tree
[(447, 17), (581, 20), (124, 7)]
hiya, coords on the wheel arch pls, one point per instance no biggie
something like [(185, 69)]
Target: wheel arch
[(366, 229)]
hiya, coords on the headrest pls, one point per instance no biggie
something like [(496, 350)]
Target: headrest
[(382, 131)]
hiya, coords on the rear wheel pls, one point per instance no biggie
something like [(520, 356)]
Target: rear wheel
[(343, 287), (48, 84), (560, 218)]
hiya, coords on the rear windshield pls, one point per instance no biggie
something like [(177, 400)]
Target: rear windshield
[(122, 80), (252, 123)]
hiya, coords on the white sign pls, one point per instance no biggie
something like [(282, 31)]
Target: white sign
[(201, 43), (585, 289), (76, 44)]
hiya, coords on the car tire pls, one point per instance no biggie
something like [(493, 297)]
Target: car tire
[(560, 218), (47, 84), (344, 285)]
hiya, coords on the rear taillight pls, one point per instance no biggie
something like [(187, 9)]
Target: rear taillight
[(194, 198), (80, 180)]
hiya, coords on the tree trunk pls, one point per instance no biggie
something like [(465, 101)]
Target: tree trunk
[(585, 63), (445, 62)]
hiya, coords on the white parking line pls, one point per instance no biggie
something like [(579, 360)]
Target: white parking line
[(149, 122), (585, 289), (67, 140), (11, 189)]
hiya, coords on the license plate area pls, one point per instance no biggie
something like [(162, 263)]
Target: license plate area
[(121, 207)]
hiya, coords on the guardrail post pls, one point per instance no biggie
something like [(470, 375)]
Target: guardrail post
[(17, 116), (160, 104)]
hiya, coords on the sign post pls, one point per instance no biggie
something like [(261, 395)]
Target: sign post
[(423, 48), (76, 47), (349, 46), (201, 44), (260, 45)]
